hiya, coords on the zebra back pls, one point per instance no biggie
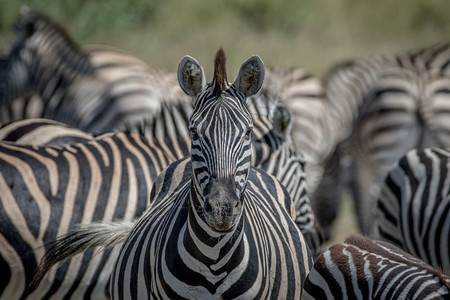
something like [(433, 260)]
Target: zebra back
[(42, 132), (361, 268), (413, 209)]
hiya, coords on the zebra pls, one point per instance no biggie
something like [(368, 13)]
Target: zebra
[(216, 227), (362, 268), (413, 208), (304, 96), (384, 106), (132, 152), (44, 74)]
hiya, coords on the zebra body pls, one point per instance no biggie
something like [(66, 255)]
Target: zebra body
[(413, 209), (96, 89), (387, 106), (361, 268), (210, 231)]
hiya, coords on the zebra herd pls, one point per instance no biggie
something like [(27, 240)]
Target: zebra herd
[(117, 183)]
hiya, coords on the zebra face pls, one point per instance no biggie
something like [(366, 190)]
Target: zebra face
[(221, 128)]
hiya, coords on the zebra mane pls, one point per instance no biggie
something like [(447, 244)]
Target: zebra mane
[(63, 46), (220, 73)]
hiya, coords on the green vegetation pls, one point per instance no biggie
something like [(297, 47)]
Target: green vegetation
[(312, 34)]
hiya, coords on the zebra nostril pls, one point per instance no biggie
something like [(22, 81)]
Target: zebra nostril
[(237, 204), (207, 207)]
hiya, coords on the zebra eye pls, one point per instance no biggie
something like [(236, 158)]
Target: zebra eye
[(248, 134)]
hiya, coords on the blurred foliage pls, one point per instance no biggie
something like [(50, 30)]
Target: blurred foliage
[(310, 33)]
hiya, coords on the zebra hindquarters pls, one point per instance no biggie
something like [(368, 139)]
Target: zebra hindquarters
[(413, 209)]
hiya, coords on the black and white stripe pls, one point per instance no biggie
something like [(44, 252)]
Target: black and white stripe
[(413, 209), (361, 268)]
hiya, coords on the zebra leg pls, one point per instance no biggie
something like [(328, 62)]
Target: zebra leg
[(327, 197), (363, 187)]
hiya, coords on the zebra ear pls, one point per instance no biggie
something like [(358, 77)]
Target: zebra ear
[(282, 122), (191, 76), (250, 77)]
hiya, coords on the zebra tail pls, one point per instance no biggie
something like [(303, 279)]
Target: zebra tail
[(103, 235)]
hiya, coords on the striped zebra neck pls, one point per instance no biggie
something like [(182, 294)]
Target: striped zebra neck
[(213, 249)]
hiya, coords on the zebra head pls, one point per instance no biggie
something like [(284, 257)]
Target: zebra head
[(41, 49), (15, 63), (221, 128)]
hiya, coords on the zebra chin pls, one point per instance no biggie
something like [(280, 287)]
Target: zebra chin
[(221, 226)]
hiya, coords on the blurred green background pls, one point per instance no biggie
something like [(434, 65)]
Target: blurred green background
[(313, 34)]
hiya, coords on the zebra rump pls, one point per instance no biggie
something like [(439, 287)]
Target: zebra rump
[(413, 209), (385, 106)]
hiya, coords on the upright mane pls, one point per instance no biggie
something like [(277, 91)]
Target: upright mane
[(220, 73)]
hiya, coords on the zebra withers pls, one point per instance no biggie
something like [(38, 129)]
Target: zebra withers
[(216, 227), (413, 209), (44, 74), (361, 268)]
